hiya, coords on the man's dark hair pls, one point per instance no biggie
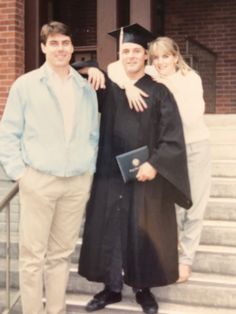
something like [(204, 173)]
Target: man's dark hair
[(52, 28)]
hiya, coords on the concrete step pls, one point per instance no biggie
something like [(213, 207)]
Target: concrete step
[(215, 259), (223, 187), (221, 209), (14, 249), (218, 232), (220, 120), (218, 208), (223, 151), (209, 258), (14, 217), (202, 289), (14, 225), (222, 202), (14, 274), (207, 290), (76, 303), (224, 168), (222, 135)]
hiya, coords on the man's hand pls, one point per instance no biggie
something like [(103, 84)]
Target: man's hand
[(135, 97), (146, 172), (96, 78)]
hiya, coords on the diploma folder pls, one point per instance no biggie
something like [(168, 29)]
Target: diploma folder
[(130, 162)]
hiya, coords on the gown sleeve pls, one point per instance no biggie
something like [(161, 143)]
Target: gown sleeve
[(169, 153)]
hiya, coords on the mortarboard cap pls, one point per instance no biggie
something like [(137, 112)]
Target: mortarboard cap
[(133, 33)]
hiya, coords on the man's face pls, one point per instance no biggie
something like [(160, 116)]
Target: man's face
[(58, 50), (133, 57)]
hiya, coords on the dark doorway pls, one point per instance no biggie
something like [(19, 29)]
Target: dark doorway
[(80, 15)]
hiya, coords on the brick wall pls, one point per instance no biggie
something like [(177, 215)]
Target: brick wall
[(11, 45), (212, 23)]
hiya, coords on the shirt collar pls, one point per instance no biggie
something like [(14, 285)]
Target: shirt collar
[(46, 72), (52, 73)]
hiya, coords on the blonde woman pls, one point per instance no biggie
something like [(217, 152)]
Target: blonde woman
[(169, 68)]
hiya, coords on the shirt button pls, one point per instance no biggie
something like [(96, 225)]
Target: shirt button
[(120, 197)]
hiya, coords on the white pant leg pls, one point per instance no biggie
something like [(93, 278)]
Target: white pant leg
[(35, 222), (190, 221), (64, 234)]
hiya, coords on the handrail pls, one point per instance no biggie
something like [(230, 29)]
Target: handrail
[(5, 204), (195, 42), (14, 190), (203, 60)]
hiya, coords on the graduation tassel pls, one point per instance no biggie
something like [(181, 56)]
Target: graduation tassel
[(121, 40)]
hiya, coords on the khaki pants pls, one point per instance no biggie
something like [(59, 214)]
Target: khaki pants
[(51, 213)]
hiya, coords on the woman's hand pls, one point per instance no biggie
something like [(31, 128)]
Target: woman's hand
[(96, 78), (135, 97), (146, 172)]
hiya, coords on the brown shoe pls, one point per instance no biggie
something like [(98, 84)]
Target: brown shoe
[(184, 273)]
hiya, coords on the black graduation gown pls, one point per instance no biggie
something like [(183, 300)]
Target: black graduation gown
[(147, 220)]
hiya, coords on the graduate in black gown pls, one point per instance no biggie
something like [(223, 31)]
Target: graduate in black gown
[(131, 228)]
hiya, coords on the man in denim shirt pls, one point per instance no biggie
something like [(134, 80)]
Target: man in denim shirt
[(48, 143)]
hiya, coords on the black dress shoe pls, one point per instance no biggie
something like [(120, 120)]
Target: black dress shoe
[(103, 298), (146, 299)]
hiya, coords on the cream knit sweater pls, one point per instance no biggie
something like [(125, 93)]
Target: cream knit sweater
[(188, 92)]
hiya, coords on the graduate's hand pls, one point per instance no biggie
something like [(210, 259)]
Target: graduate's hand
[(135, 97), (96, 78), (146, 172)]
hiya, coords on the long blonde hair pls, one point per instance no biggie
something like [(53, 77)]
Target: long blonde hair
[(168, 45)]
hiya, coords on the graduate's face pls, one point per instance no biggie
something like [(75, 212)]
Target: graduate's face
[(164, 62), (58, 50), (133, 57)]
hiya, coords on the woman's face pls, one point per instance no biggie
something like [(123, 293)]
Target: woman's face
[(164, 62)]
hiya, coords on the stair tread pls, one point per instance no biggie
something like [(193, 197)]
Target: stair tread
[(230, 200), (197, 277), (205, 248), (214, 279), (227, 161), (219, 223), (76, 302), (217, 249), (131, 306), (224, 179)]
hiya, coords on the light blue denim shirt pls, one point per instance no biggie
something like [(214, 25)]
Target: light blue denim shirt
[(32, 130)]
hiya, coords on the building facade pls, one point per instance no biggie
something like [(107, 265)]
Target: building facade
[(205, 31)]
